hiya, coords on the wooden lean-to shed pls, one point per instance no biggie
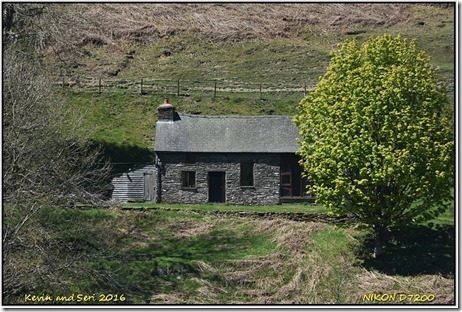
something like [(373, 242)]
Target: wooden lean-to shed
[(137, 185)]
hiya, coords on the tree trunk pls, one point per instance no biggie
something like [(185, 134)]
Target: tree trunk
[(8, 20), (378, 240)]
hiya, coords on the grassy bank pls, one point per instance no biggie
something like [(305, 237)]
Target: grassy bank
[(305, 208)]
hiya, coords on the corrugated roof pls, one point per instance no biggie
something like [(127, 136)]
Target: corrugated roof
[(227, 134)]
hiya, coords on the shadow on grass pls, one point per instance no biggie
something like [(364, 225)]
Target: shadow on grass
[(166, 265), (124, 157), (208, 248), (414, 250)]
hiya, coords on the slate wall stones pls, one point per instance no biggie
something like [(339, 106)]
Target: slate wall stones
[(266, 178)]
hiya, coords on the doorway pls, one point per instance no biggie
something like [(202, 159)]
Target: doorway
[(293, 184), (217, 187)]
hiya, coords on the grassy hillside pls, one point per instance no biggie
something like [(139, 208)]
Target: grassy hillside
[(285, 45), (277, 43)]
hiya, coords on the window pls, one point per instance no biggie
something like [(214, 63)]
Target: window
[(286, 184), (247, 174), (188, 179)]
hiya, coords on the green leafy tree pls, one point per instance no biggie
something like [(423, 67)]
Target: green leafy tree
[(377, 138)]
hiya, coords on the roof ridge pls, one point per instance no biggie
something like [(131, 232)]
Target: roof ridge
[(235, 116)]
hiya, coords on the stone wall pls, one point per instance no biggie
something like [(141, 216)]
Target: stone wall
[(266, 178), (294, 216)]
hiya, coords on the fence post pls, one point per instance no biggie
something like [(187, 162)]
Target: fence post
[(304, 93), (63, 81), (99, 85), (141, 89), (261, 95), (215, 89), (178, 88)]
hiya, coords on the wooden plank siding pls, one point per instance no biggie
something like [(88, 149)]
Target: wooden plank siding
[(135, 186)]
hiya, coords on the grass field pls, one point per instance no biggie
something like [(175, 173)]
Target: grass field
[(184, 257)]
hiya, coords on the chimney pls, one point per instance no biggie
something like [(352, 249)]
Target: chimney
[(166, 111)]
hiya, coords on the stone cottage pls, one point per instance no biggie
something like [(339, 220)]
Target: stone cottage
[(247, 160)]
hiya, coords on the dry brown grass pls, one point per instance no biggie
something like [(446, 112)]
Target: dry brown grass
[(297, 272), (147, 22), (279, 277), (300, 270), (168, 298), (375, 282), (188, 228)]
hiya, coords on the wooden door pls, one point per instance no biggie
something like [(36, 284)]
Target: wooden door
[(217, 187), (148, 186)]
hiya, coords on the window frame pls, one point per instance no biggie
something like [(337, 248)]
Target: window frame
[(186, 180)]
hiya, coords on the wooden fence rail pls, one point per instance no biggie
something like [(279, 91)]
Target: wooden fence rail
[(167, 87)]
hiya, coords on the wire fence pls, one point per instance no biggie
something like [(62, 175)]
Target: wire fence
[(217, 88)]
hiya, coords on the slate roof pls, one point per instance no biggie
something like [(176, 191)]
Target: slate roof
[(227, 134)]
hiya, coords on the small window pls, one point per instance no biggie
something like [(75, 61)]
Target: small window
[(191, 158), (188, 179), (247, 174)]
